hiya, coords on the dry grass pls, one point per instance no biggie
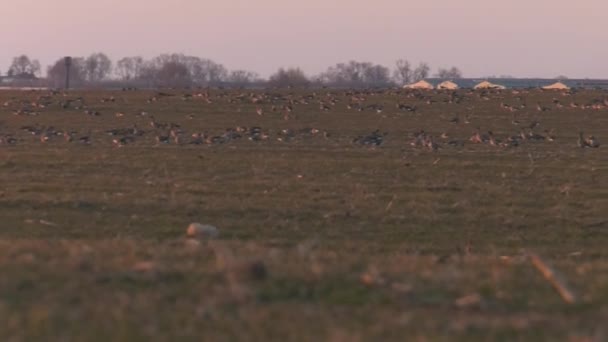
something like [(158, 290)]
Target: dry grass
[(320, 239)]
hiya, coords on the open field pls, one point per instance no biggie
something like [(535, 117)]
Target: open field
[(321, 238)]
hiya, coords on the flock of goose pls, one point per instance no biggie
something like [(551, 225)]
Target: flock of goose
[(285, 105)]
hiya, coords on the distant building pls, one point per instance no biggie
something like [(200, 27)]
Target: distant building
[(23, 81), (422, 84), (488, 85), (556, 86), (6, 79), (447, 85)]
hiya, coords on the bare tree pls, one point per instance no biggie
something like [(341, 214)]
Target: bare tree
[(292, 77), (452, 73), (56, 73), (242, 77), (421, 72), (174, 74), (129, 68), (377, 75), (403, 73), (355, 74), (201, 71), (22, 66), (98, 66)]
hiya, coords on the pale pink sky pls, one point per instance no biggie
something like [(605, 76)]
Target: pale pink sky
[(535, 38)]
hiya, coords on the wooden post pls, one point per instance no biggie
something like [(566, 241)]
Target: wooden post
[(68, 64)]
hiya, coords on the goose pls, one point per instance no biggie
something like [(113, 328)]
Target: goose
[(514, 121), (510, 142), (108, 99), (324, 107), (535, 137), (491, 140), (85, 140), (581, 141), (67, 136), (92, 112), (215, 140), (534, 124), (120, 142), (286, 135), (542, 108), (430, 143), (476, 138), (162, 139), (406, 108), (197, 138), (590, 141), (7, 140), (455, 143), (374, 139), (418, 138)]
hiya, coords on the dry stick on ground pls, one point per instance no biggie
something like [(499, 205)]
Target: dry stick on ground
[(552, 277), (390, 204)]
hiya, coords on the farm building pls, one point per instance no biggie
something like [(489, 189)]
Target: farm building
[(422, 84), (488, 85), (556, 86), (447, 85)]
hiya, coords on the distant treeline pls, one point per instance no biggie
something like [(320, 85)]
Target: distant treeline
[(178, 70)]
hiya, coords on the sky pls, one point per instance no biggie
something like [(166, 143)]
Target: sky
[(522, 38)]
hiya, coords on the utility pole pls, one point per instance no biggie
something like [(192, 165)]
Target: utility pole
[(68, 64)]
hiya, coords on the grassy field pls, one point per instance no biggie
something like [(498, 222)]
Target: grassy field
[(321, 238)]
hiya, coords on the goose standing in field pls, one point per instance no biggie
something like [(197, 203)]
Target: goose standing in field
[(542, 108), (92, 112), (323, 107), (491, 140), (590, 141), (197, 139), (162, 139), (86, 140), (536, 137), (514, 121), (374, 139), (44, 137), (406, 108), (581, 140), (68, 136), (534, 124), (7, 140), (175, 134), (477, 138), (120, 142)]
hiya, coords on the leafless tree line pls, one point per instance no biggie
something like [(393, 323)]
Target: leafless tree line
[(179, 70)]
